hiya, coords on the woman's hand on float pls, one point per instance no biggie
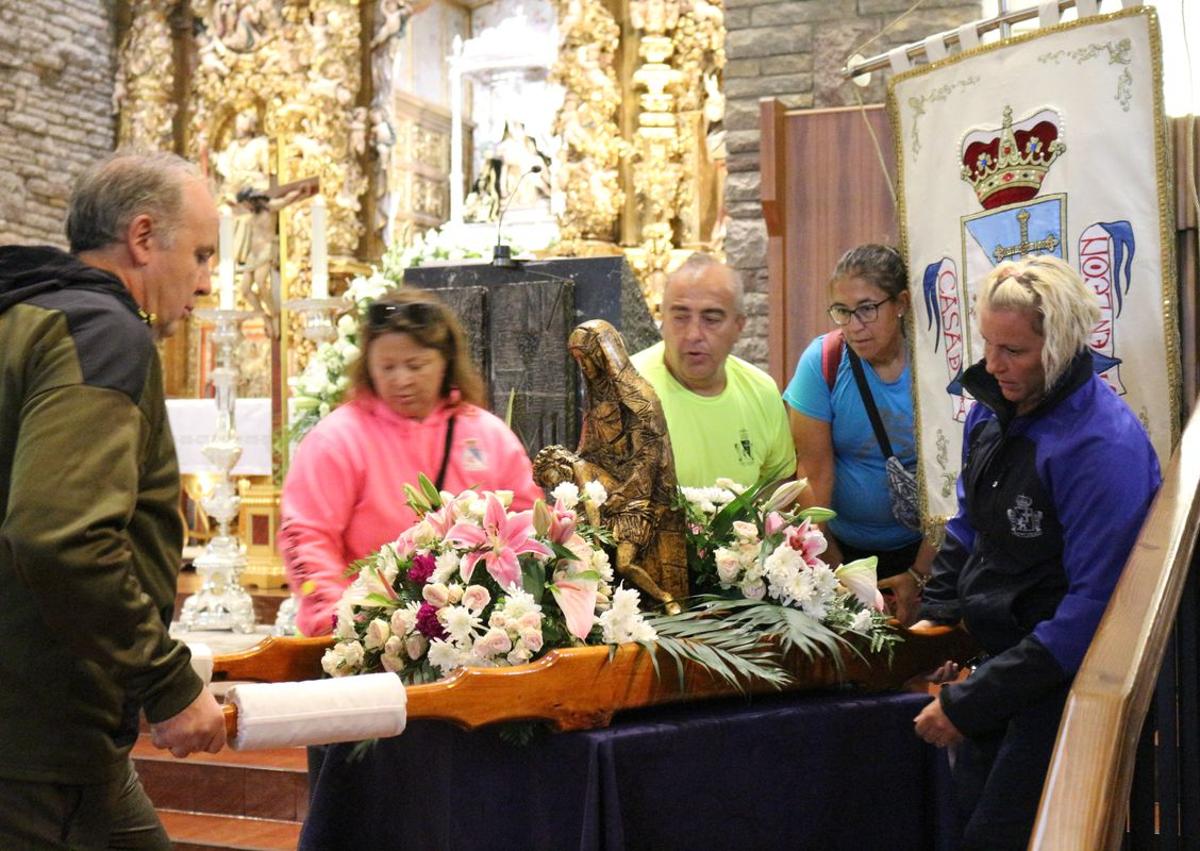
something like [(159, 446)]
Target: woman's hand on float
[(933, 726), (904, 599)]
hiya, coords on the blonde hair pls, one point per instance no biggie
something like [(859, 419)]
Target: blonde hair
[(1064, 309)]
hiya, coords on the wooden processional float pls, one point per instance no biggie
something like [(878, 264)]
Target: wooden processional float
[(581, 688)]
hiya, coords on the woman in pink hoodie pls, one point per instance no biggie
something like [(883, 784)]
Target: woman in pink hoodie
[(415, 408)]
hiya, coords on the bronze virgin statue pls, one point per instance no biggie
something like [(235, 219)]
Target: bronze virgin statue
[(624, 446)]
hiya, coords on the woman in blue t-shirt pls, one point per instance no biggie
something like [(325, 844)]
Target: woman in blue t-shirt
[(836, 447)]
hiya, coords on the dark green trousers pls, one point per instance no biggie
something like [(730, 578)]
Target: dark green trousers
[(118, 814)]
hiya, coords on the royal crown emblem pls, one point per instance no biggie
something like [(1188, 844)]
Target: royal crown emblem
[(1008, 167)]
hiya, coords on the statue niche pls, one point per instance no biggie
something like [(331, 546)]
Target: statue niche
[(624, 445)]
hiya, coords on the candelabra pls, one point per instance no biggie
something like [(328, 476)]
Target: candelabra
[(317, 316), (222, 603)]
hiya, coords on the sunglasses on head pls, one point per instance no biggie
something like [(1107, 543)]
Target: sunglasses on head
[(413, 314)]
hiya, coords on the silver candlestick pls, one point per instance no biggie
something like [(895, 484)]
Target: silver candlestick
[(222, 603), (317, 316)]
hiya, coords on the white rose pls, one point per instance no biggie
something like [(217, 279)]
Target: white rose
[(601, 565), (745, 529), (567, 493), (530, 620), (476, 597), (455, 591), (392, 663), (498, 619), (436, 594), (345, 620), (493, 643), (754, 590), (378, 632), (415, 645), (532, 639), (728, 565), (519, 655), (393, 645)]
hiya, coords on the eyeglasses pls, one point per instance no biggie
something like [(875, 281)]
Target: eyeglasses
[(413, 314), (866, 312)]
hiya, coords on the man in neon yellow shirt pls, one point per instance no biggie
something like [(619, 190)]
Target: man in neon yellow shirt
[(725, 416)]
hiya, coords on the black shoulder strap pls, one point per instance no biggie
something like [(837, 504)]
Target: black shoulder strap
[(860, 377), (441, 476)]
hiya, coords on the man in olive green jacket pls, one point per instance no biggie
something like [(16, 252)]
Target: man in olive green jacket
[(89, 486)]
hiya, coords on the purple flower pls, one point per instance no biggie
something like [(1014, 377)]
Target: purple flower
[(428, 624), (422, 568)]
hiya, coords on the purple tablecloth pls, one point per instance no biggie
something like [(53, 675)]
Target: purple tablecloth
[(831, 771)]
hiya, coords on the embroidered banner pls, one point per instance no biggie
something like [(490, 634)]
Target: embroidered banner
[(1048, 143)]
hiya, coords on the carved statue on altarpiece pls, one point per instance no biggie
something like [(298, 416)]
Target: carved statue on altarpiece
[(624, 445), (519, 153)]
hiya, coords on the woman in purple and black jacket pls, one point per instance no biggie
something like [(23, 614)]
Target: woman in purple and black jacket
[(1057, 477)]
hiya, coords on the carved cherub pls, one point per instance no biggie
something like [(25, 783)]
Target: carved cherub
[(624, 446)]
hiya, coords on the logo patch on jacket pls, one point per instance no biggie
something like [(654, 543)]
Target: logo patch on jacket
[(473, 455), (1024, 521)]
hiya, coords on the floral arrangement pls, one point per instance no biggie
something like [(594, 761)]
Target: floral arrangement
[(473, 583), (322, 385), (746, 543)]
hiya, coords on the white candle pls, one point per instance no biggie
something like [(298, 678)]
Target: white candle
[(320, 257), (225, 263)]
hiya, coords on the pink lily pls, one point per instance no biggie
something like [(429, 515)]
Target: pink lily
[(577, 599), (773, 523), (808, 541), (562, 523), (498, 542)]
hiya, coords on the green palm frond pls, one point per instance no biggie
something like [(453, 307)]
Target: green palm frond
[(790, 629), (724, 649)]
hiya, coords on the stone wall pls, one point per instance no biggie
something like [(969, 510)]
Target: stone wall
[(56, 86), (794, 50)]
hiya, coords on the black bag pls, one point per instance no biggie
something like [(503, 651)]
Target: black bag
[(902, 484)]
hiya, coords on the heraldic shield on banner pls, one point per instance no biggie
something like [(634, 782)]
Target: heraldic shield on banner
[(1047, 143)]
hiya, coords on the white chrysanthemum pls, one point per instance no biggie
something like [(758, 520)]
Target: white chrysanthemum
[(600, 563), (781, 566), (402, 622), (446, 565), (625, 602), (444, 655), (518, 603), (567, 493), (460, 622), (861, 622), (595, 493)]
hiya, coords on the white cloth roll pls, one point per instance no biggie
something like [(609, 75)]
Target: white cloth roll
[(1048, 13), (318, 712), (202, 661)]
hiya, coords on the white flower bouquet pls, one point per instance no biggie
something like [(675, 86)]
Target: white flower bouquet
[(744, 543), (473, 583)]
